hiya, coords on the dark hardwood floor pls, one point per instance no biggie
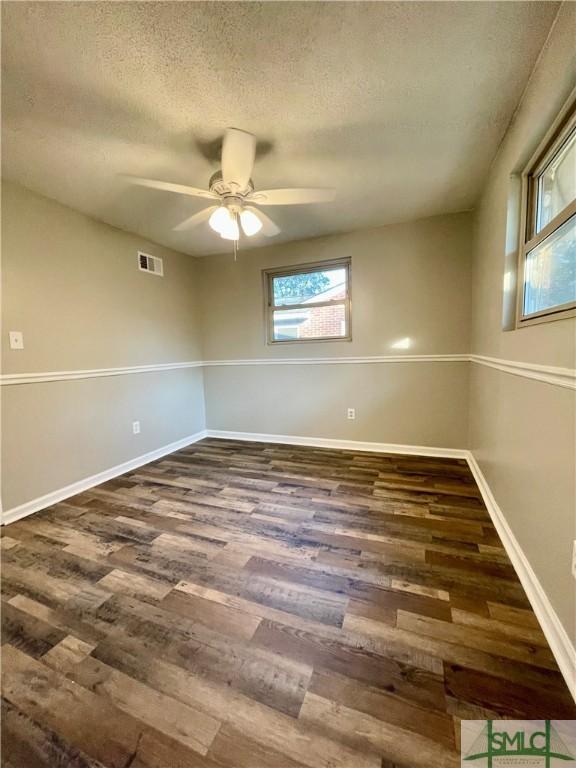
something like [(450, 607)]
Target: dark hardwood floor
[(265, 606)]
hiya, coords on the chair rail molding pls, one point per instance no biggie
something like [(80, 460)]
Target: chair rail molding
[(344, 360), (548, 374), (93, 373)]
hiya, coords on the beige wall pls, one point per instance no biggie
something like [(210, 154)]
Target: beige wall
[(409, 281), (73, 287), (522, 431), (60, 432), (405, 403)]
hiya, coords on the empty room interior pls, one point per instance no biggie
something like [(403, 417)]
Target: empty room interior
[(288, 384)]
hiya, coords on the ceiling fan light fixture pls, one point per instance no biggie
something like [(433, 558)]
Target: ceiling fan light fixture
[(220, 219), (251, 224), (231, 230)]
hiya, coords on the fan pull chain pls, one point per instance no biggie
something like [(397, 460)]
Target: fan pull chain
[(236, 241)]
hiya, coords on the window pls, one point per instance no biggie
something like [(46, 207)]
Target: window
[(308, 303), (548, 249)]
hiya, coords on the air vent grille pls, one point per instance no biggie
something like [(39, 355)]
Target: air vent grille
[(151, 264)]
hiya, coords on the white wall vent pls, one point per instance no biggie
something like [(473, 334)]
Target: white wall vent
[(152, 264)]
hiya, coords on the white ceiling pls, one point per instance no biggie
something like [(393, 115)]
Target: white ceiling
[(400, 106)]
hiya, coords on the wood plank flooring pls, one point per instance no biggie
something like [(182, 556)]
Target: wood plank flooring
[(247, 605)]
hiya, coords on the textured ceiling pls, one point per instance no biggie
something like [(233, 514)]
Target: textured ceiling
[(400, 106)]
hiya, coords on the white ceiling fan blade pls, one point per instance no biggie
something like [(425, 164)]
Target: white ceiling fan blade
[(196, 219), (168, 186), (292, 196), (269, 229), (238, 153)]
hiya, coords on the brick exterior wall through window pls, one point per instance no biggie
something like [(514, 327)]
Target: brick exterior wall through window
[(325, 321)]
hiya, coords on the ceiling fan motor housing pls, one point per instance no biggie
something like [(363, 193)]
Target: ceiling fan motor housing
[(221, 188)]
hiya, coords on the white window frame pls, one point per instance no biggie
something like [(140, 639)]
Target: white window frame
[(560, 132), (269, 274)]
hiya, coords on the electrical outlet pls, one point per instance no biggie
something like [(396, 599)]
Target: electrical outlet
[(351, 413), (574, 559), (16, 339), (136, 427)]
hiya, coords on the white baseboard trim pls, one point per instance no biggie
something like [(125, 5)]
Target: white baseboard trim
[(557, 637), (41, 502), (348, 445)]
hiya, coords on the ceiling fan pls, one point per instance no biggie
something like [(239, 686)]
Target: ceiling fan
[(236, 203)]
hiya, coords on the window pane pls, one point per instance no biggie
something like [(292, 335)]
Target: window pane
[(309, 287), (557, 184), (312, 323), (550, 278)]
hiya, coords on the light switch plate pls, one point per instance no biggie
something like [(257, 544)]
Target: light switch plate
[(16, 339)]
